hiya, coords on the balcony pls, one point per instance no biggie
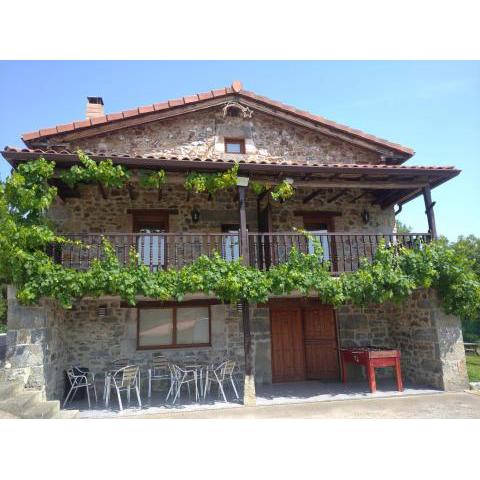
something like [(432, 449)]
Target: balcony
[(158, 251)]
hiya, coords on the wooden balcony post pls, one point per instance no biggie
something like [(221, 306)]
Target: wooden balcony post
[(427, 197), (249, 397)]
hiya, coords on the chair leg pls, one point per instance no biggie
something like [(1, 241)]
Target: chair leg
[(128, 395), (220, 386), (95, 391), (66, 398), (170, 390), (88, 396), (73, 394), (149, 384), (177, 392), (234, 387), (119, 399), (138, 397)]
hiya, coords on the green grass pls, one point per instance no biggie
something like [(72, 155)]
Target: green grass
[(473, 367)]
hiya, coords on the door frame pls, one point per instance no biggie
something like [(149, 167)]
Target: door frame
[(156, 217), (301, 303)]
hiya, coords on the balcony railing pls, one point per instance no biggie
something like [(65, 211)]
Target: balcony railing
[(175, 250), (344, 251)]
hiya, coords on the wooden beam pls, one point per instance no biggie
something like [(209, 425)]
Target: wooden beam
[(306, 213), (358, 197), (131, 191), (263, 194), (427, 197), (102, 190), (311, 196), (242, 193), (399, 198), (336, 196)]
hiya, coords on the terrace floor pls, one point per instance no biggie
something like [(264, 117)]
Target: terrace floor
[(267, 395)]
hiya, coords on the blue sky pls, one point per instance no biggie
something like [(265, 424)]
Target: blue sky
[(433, 107)]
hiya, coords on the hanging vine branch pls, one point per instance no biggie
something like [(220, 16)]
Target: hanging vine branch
[(155, 179), (211, 183), (281, 192), (103, 173)]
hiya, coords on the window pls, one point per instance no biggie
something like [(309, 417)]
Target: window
[(234, 145), (176, 326)]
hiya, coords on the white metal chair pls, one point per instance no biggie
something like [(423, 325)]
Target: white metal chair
[(80, 378), (184, 377), (160, 371), (219, 375), (124, 379)]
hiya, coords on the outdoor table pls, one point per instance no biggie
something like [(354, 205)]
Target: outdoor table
[(371, 358), (197, 370)]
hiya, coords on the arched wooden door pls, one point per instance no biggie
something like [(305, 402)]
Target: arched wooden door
[(304, 342)]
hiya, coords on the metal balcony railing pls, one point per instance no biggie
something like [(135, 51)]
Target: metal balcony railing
[(175, 250)]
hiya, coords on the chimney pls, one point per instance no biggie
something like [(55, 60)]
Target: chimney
[(95, 107)]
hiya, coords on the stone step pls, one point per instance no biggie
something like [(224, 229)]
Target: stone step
[(48, 409), (21, 402), (67, 414), (11, 388)]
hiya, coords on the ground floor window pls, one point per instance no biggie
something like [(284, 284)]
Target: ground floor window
[(173, 326)]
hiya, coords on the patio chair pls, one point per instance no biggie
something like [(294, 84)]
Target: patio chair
[(160, 371), (184, 377), (80, 377), (219, 375), (124, 379)]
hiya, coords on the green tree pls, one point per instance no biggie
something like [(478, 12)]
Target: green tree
[(403, 227), (469, 247)]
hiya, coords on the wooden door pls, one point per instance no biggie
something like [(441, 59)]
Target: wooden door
[(288, 354), (321, 355)]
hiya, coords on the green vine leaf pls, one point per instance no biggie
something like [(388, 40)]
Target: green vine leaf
[(211, 183), (104, 172), (154, 179)]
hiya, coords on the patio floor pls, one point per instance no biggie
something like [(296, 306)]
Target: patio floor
[(277, 394)]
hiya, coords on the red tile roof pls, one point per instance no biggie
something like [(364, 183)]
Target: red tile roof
[(235, 89), (10, 152)]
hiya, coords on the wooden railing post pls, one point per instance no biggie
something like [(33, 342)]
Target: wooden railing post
[(249, 397), (427, 197)]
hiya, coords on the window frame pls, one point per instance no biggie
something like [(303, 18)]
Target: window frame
[(174, 306), (240, 141)]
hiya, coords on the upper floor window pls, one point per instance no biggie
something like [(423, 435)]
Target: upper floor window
[(234, 145)]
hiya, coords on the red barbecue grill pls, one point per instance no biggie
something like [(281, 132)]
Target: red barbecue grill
[(371, 358)]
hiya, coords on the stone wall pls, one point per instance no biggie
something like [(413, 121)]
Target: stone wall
[(44, 340), (93, 214), (36, 349), (430, 341), (94, 341), (201, 134)]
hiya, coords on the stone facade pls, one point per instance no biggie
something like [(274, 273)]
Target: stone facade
[(91, 213), (201, 134), (45, 340)]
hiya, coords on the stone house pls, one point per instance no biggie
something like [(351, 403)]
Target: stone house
[(347, 185)]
